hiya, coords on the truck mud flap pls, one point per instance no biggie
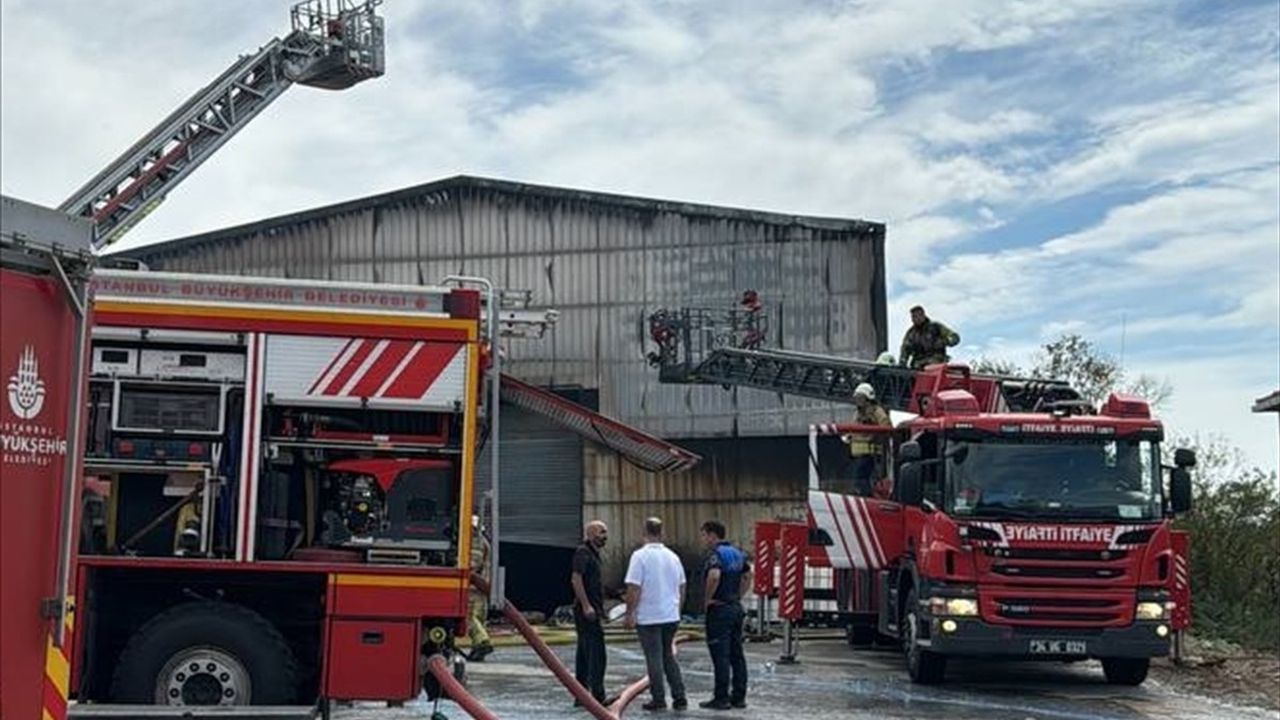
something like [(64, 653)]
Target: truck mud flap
[(886, 609)]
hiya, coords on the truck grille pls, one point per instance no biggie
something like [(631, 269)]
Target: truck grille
[(1056, 554), (1071, 572), (1024, 609)]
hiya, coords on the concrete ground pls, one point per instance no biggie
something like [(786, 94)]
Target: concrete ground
[(833, 681)]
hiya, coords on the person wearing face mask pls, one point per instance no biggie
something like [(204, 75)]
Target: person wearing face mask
[(588, 609)]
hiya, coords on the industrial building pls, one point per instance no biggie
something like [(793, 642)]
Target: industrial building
[(605, 262)]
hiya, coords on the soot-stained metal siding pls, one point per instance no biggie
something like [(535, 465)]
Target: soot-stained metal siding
[(605, 262)]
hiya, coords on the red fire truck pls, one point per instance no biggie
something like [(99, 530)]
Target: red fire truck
[(1029, 534), (279, 488), (1009, 517)]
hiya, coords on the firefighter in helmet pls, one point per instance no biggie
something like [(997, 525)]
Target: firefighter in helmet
[(865, 449), (926, 341)]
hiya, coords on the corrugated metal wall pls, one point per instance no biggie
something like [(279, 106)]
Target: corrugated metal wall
[(739, 482), (605, 262)]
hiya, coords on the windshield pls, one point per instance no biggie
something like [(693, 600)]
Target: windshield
[(1058, 479)]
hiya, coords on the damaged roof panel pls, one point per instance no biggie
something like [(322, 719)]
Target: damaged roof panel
[(646, 451)]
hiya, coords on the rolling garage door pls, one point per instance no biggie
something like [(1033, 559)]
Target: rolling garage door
[(541, 476)]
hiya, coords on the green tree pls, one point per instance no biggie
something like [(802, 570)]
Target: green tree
[(1235, 545), (1093, 373)]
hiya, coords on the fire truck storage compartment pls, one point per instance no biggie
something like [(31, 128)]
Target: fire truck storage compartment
[(390, 509), (169, 408), (372, 659), (165, 410), (360, 425)]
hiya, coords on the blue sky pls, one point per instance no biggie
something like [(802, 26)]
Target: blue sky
[(1042, 165)]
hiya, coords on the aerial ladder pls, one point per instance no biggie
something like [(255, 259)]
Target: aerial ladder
[(334, 44), (709, 346)]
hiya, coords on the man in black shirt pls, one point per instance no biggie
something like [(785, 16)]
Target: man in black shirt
[(727, 575), (588, 609)]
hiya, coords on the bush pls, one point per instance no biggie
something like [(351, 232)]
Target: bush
[(1235, 549)]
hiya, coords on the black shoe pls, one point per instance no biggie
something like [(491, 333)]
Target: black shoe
[(609, 700), (680, 704), (654, 705), (738, 704), (479, 652), (716, 704)]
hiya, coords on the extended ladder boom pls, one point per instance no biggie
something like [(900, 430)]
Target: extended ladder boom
[(333, 45), (822, 377), (723, 348)]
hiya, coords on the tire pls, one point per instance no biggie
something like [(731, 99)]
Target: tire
[(860, 635), (239, 658), (923, 666), (1126, 671)]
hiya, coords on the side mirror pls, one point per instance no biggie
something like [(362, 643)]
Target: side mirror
[(1180, 490), (909, 451), (910, 486), (1184, 458)]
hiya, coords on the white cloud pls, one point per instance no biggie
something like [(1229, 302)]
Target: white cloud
[(1180, 141), (945, 120), (1216, 394)]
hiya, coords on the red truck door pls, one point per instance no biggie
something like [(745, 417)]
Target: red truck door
[(36, 360), (42, 334)]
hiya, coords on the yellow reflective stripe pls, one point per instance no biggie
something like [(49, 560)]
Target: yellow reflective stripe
[(442, 583), (56, 668)]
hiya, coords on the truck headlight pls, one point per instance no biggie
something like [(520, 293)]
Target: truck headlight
[(1152, 611), (958, 607)]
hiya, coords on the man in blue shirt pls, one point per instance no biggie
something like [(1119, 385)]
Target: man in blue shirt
[(728, 574)]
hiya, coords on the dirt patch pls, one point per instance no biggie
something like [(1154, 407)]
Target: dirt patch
[(1225, 672)]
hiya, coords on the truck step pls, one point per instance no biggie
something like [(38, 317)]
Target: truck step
[(179, 712)]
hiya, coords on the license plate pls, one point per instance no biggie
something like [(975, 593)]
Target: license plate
[(1059, 647)]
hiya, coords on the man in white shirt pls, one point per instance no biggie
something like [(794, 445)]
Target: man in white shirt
[(655, 593)]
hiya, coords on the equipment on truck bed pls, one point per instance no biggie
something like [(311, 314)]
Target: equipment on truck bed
[(334, 44)]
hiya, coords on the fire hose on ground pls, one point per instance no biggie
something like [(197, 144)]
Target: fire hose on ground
[(454, 690), (439, 668)]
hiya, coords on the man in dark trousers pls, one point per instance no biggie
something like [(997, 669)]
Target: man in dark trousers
[(926, 341), (728, 574), (588, 609)]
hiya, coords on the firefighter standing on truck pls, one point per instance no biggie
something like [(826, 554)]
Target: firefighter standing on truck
[(926, 341), (865, 449), (478, 608)]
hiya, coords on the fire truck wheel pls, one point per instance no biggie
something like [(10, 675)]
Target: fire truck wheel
[(924, 667), (1126, 671), (206, 653)]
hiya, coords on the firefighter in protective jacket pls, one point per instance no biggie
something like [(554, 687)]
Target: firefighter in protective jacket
[(926, 341), (478, 602), (865, 449)]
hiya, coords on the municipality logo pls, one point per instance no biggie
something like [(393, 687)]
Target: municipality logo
[(26, 389)]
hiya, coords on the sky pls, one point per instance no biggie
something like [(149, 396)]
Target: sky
[(1043, 166)]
